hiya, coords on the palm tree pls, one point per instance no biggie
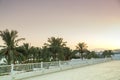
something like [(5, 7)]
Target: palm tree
[(9, 50), (38, 54), (92, 54), (25, 50), (46, 54), (56, 46), (74, 52), (34, 53), (107, 53), (67, 53), (81, 47)]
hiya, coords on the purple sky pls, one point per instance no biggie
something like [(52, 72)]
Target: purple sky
[(95, 22)]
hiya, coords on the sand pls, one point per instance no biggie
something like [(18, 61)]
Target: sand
[(103, 71)]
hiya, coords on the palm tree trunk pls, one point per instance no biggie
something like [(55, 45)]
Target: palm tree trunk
[(8, 59)]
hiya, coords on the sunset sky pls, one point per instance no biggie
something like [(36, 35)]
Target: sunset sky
[(95, 22)]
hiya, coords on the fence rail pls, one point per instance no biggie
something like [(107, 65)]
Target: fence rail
[(5, 69), (21, 70)]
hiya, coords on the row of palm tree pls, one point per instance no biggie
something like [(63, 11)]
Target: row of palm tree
[(55, 49)]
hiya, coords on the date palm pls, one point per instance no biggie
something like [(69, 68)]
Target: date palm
[(46, 54), (25, 50), (56, 45), (81, 47), (11, 42), (67, 53)]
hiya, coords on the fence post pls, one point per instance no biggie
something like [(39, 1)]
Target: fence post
[(41, 65), (12, 71), (59, 63)]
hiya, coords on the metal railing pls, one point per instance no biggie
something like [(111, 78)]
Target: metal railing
[(46, 67)]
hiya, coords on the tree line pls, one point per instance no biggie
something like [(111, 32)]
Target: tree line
[(54, 49)]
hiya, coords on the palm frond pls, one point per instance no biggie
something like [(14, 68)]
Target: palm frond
[(16, 41)]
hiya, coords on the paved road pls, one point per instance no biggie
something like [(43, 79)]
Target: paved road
[(103, 71)]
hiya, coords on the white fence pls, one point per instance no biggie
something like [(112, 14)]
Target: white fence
[(20, 71)]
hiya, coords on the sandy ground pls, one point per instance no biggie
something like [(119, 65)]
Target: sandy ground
[(103, 71)]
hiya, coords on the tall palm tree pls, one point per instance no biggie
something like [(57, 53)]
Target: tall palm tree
[(56, 45), (81, 47), (9, 50)]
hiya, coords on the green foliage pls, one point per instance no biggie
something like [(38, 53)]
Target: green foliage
[(9, 50), (31, 54), (92, 55), (24, 49), (67, 53), (107, 53), (74, 54), (81, 47), (56, 46), (46, 54)]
